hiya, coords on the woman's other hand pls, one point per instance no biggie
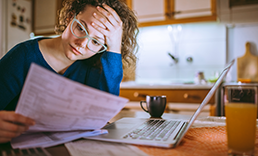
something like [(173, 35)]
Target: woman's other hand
[(12, 125), (110, 25)]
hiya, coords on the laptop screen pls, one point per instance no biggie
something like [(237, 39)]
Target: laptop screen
[(207, 98)]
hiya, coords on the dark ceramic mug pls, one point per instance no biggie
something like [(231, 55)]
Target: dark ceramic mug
[(155, 105)]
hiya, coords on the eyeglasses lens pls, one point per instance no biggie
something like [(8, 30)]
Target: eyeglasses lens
[(79, 31)]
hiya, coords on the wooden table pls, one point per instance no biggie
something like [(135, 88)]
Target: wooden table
[(206, 137)]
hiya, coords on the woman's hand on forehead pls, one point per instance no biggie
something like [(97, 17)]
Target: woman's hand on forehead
[(107, 21)]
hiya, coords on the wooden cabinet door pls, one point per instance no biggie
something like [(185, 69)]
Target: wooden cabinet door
[(45, 13), (149, 10), (192, 8)]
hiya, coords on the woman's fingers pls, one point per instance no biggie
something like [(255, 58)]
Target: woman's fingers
[(8, 134), (12, 125), (107, 17), (101, 23), (110, 12), (11, 116)]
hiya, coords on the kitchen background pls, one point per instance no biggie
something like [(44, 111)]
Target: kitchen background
[(15, 23), (198, 46), (204, 43)]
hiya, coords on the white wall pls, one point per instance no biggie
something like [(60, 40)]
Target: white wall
[(204, 42), (237, 38)]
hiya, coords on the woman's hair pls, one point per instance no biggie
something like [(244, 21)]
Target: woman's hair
[(130, 28)]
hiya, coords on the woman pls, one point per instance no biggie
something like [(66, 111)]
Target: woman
[(98, 38)]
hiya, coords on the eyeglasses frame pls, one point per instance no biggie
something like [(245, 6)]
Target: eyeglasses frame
[(86, 36)]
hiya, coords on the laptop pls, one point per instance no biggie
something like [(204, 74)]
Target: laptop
[(165, 133)]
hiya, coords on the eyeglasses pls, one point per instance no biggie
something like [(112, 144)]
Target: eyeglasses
[(79, 31)]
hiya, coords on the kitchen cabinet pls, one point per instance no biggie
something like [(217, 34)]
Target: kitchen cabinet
[(237, 12), (45, 16), (196, 8), (150, 10), (163, 12), (186, 97)]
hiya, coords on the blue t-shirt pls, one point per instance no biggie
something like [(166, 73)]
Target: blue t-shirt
[(15, 64)]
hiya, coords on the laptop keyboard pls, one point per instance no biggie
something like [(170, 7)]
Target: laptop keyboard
[(25, 152), (154, 129)]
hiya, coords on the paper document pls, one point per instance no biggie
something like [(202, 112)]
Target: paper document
[(48, 139), (93, 148), (59, 104)]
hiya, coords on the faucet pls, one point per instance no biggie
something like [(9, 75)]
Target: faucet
[(173, 57)]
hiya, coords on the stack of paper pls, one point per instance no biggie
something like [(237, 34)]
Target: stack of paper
[(48, 139), (59, 104), (99, 148)]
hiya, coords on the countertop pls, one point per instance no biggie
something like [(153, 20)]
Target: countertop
[(135, 85)]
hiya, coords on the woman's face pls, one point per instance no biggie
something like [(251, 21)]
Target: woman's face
[(76, 48)]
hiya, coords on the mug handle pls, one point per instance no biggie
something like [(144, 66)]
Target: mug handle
[(143, 107)]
